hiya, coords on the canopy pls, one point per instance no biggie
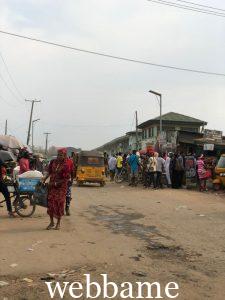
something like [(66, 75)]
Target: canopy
[(10, 141)]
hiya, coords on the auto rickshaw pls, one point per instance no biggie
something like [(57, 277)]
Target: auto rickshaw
[(219, 182), (90, 168)]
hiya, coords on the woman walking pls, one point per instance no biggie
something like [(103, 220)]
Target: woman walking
[(59, 173), (202, 173)]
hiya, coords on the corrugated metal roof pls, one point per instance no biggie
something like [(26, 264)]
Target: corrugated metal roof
[(174, 117)]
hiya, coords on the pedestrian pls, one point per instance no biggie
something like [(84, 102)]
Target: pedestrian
[(24, 162), (202, 173), (4, 189), (112, 167), (167, 168), (69, 186), (152, 170), (180, 169), (177, 171), (59, 173), (146, 173), (133, 163), (119, 163), (160, 167)]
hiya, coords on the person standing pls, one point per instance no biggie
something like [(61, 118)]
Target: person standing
[(146, 173), (160, 166), (133, 163), (180, 169), (201, 173), (4, 189), (119, 163), (59, 173), (24, 162), (152, 170), (69, 186), (112, 167), (167, 169)]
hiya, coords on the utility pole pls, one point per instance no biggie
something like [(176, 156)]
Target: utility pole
[(33, 133), (136, 119), (160, 105), (31, 115), (6, 127), (46, 142)]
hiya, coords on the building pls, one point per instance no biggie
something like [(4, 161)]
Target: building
[(172, 124), (179, 133), (120, 144), (134, 139)]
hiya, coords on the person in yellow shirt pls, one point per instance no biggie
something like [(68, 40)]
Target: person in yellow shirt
[(119, 163)]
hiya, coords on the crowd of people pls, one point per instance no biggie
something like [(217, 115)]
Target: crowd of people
[(155, 169)]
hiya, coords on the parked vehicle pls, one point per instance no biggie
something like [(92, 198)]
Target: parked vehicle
[(90, 168), (219, 182)]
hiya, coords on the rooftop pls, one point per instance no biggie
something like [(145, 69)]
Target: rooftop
[(173, 117)]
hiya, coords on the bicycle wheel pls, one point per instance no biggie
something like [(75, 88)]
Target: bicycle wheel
[(24, 206)]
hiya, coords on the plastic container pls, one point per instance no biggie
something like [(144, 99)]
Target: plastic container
[(28, 184)]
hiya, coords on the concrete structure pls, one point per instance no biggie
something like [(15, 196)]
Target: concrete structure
[(178, 130), (171, 125), (120, 144)]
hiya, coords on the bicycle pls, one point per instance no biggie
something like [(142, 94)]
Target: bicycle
[(22, 204), (122, 176)]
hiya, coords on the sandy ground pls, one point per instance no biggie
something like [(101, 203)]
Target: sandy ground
[(131, 234)]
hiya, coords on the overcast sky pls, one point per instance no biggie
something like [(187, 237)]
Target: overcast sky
[(88, 100)]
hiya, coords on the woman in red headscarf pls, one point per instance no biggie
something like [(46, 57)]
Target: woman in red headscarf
[(59, 173)]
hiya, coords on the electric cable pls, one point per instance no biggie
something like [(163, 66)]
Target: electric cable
[(11, 78), (113, 56), (190, 8)]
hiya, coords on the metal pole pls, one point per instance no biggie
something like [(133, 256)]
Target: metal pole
[(31, 115), (137, 142), (160, 104), (6, 127), (160, 128), (32, 136)]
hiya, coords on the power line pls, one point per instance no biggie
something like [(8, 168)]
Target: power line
[(190, 8), (7, 86), (8, 103), (10, 76), (113, 56), (201, 5)]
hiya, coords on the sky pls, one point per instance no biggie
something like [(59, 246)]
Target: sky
[(87, 100)]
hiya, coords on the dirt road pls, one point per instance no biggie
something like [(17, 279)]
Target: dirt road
[(131, 234)]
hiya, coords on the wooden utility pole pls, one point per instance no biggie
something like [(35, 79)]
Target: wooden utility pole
[(6, 127), (33, 133), (46, 142), (31, 115)]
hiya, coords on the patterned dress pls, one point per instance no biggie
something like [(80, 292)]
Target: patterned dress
[(59, 172)]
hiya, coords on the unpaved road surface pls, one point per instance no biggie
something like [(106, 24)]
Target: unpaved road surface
[(131, 234)]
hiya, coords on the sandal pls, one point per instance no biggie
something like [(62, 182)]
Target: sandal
[(50, 226)]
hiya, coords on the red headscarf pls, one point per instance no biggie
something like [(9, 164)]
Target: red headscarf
[(63, 151)]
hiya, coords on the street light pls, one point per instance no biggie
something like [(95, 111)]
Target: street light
[(33, 132), (160, 104)]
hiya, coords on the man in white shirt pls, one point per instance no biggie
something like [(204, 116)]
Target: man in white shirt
[(112, 167)]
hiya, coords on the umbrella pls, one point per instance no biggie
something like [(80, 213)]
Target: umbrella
[(6, 156), (10, 141)]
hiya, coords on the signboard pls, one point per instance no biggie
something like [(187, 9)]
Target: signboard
[(162, 138), (213, 134), (208, 147), (190, 167)]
